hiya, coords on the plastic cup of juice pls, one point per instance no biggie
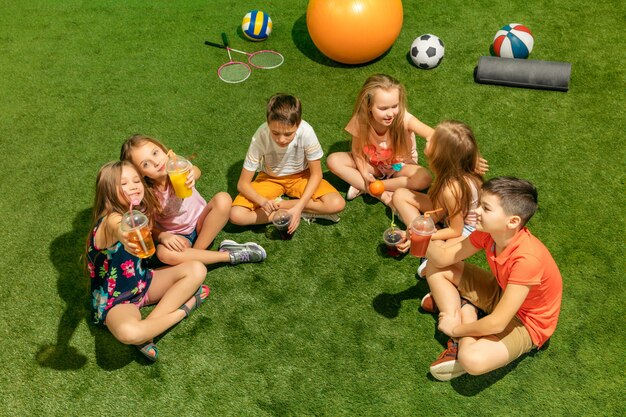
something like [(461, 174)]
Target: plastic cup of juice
[(392, 237), (421, 230), (178, 169), (282, 220), (137, 226)]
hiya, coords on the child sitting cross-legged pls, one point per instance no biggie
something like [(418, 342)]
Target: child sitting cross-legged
[(288, 155), (520, 294)]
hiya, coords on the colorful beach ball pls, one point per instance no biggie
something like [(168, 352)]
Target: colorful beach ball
[(256, 25), (513, 41)]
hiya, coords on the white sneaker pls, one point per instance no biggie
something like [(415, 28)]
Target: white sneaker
[(420, 269), (310, 217), (353, 193)]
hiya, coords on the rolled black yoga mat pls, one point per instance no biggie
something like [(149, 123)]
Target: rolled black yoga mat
[(545, 75)]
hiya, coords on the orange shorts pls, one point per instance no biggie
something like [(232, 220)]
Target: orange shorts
[(290, 185)]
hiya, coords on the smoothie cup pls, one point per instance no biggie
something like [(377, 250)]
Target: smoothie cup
[(178, 169), (282, 220), (136, 224), (392, 237), (421, 229)]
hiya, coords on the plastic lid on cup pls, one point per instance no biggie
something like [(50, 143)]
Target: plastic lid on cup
[(281, 218), (177, 164), (423, 225), (132, 221)]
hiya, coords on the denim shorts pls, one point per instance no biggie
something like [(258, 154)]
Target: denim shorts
[(191, 237)]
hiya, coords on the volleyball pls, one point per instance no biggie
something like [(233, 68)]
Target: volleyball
[(513, 41), (256, 25)]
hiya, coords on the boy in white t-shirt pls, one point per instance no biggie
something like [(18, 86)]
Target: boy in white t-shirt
[(287, 154)]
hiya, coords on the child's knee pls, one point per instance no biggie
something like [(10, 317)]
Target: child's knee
[(222, 201), (129, 334), (196, 270), (239, 215), (334, 202), (474, 361), (401, 195), (422, 179)]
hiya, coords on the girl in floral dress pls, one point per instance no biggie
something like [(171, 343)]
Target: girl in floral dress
[(120, 281)]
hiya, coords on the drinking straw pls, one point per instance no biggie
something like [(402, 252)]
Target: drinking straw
[(393, 224), (132, 221), (130, 214), (428, 213)]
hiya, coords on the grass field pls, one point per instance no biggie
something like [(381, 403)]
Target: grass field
[(327, 325)]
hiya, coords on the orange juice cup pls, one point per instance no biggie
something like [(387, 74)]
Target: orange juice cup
[(138, 229), (178, 169)]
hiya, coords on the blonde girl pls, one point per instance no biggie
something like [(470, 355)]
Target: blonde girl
[(452, 154), (185, 227), (120, 281), (383, 142)]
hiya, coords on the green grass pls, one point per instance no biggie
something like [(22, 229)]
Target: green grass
[(326, 325)]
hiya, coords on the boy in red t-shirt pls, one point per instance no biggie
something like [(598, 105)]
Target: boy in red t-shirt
[(521, 295)]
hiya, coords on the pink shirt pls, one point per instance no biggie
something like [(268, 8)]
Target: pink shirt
[(179, 215)]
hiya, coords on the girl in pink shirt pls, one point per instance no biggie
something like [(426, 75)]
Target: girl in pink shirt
[(185, 227)]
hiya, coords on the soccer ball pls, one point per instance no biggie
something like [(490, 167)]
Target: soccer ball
[(513, 41), (427, 51), (256, 25)]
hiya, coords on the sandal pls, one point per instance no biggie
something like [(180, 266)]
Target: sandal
[(149, 350), (198, 298)]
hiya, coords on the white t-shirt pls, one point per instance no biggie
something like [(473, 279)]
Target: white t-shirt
[(265, 155)]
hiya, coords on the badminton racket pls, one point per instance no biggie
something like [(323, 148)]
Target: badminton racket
[(238, 71)]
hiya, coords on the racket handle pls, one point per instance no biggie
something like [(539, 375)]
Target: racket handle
[(217, 45), (225, 39)]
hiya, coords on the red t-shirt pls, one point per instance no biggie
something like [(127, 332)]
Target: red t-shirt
[(526, 261)]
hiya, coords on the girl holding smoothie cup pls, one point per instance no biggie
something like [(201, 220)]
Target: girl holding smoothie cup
[(452, 199), (121, 283), (186, 223)]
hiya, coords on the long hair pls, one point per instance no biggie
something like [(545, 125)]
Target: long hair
[(362, 112), (107, 196), (136, 141), (453, 156)]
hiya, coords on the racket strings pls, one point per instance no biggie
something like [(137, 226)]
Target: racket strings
[(266, 59), (234, 72)]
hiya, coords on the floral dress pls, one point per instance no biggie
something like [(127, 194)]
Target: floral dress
[(117, 277)]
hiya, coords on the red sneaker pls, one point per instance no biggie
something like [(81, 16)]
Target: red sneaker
[(428, 304), (447, 366)]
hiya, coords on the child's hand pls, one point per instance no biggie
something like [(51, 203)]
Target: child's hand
[(270, 206), (295, 219), (130, 247), (482, 166), (405, 243), (368, 178), (447, 322), (173, 242), (171, 154), (191, 179)]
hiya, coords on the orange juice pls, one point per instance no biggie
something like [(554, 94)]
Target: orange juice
[(137, 226), (178, 180), (178, 169), (142, 238)]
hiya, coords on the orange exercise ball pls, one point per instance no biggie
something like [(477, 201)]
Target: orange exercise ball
[(354, 31)]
